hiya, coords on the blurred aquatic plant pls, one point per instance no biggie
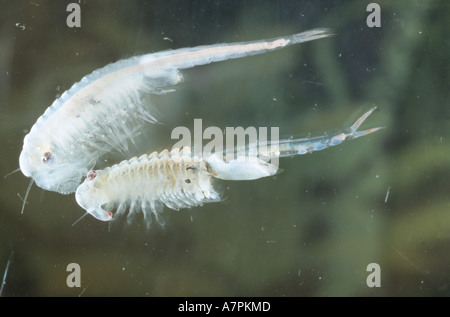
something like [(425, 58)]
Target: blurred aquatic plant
[(310, 232)]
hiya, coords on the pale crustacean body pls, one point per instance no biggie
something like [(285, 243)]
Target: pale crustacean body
[(178, 179), (106, 109)]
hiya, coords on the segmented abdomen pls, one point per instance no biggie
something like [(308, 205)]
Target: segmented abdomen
[(174, 179)]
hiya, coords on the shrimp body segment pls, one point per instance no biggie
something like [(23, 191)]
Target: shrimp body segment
[(106, 109), (174, 179)]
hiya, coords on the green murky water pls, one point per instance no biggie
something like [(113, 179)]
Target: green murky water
[(309, 231)]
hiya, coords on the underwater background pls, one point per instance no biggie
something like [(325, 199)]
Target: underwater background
[(311, 230)]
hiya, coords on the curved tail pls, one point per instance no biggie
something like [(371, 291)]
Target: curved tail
[(291, 147), (190, 57), (253, 164)]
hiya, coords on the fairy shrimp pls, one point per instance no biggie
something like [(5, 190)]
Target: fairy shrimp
[(177, 179), (106, 109)]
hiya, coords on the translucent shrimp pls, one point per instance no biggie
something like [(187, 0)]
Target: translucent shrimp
[(105, 110), (178, 180)]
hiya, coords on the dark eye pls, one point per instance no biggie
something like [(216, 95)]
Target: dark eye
[(91, 175), (48, 157)]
